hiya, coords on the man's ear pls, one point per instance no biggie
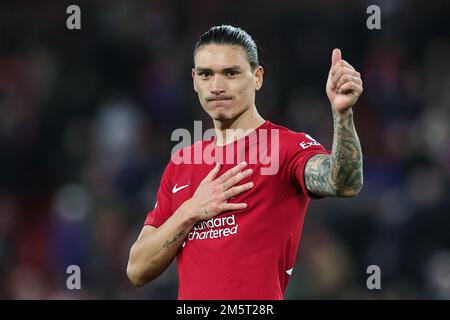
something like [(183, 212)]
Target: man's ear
[(259, 77), (193, 80)]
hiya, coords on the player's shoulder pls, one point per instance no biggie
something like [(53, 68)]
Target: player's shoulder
[(289, 138)]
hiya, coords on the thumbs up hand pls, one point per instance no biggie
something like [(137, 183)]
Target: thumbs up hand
[(344, 84)]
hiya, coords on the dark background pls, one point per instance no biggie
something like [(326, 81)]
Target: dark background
[(86, 118)]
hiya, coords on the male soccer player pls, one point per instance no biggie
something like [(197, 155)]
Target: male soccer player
[(235, 229)]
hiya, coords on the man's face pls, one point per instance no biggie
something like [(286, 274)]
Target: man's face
[(224, 81)]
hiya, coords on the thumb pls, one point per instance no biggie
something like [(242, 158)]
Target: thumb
[(335, 56)]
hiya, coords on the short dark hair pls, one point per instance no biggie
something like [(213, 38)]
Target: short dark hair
[(226, 34)]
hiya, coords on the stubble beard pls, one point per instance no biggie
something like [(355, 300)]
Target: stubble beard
[(221, 117)]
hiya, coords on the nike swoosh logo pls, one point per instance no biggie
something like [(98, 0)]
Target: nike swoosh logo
[(175, 189)]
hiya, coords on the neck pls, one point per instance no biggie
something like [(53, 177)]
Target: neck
[(227, 131)]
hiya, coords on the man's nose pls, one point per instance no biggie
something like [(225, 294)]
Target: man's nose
[(218, 85)]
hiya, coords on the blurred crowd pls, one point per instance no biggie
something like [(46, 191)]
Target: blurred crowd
[(86, 118)]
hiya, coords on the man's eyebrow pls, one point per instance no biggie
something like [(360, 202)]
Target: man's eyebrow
[(232, 68), (203, 69)]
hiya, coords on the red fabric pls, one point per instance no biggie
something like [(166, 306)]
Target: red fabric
[(243, 254)]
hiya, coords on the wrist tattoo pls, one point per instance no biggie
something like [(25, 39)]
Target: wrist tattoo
[(169, 242)]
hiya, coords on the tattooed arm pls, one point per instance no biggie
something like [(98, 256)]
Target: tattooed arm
[(339, 174), (156, 248)]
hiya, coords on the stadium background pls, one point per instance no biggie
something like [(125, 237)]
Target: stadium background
[(86, 118)]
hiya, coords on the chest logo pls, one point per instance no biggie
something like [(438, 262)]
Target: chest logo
[(175, 189)]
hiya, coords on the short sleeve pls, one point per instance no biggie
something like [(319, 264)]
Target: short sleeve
[(301, 148), (163, 206)]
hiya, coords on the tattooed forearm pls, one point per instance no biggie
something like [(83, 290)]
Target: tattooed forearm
[(338, 174), (169, 242), (318, 175)]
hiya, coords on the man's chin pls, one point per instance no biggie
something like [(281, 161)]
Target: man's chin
[(221, 117)]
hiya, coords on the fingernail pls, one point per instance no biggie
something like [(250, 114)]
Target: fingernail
[(243, 163), (249, 171)]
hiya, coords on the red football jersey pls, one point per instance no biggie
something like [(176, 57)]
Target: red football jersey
[(249, 253)]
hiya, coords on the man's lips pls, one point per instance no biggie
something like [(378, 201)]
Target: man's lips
[(219, 98)]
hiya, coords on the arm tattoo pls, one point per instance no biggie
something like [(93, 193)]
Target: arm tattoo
[(338, 174), (169, 242)]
